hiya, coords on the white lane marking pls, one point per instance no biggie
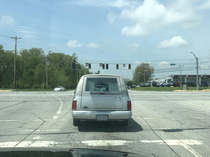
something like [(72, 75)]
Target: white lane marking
[(8, 120), (33, 144), (184, 143), (39, 120), (55, 117), (174, 142), (50, 130), (36, 137), (190, 150), (61, 105), (106, 142), (8, 144)]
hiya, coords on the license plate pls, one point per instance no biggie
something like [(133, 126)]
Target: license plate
[(101, 118)]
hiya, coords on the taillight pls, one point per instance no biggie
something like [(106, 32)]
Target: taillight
[(129, 105), (74, 105)]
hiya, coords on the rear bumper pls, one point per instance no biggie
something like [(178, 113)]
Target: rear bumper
[(91, 115)]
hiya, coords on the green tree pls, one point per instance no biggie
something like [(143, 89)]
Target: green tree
[(140, 71)]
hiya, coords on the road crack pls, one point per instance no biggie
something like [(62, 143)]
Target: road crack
[(43, 121), (159, 137)]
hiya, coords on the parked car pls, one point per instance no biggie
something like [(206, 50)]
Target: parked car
[(147, 84), (101, 98), (204, 84), (191, 84), (165, 84), (171, 83), (177, 84), (154, 84), (59, 88), (159, 84), (133, 86), (142, 85)]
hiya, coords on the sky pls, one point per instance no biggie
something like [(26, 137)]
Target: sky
[(157, 32)]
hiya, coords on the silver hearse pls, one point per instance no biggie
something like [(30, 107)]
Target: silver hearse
[(101, 98)]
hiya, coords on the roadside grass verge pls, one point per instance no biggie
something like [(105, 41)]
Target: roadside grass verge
[(167, 88)]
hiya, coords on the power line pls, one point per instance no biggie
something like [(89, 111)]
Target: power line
[(27, 43), (4, 36), (22, 43)]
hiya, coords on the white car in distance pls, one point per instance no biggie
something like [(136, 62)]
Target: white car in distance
[(59, 88)]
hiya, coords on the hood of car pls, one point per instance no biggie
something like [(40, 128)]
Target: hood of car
[(71, 152)]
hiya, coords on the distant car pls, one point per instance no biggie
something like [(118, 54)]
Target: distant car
[(142, 85), (133, 86), (191, 84), (171, 83), (177, 84), (159, 84), (59, 88), (204, 84), (153, 84), (165, 84), (147, 84)]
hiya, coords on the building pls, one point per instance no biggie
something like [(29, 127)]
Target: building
[(186, 78)]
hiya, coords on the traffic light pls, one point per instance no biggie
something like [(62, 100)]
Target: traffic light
[(129, 66), (103, 66), (117, 66), (107, 66), (89, 65)]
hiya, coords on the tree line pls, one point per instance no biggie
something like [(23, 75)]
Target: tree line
[(143, 73), (31, 69)]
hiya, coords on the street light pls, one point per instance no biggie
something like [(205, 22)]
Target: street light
[(144, 75), (196, 70), (138, 76)]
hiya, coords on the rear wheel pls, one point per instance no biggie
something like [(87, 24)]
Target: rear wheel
[(76, 122), (124, 123)]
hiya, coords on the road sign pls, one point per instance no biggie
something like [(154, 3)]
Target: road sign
[(172, 64)]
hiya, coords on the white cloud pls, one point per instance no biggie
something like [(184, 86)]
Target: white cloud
[(176, 41), (204, 67), (152, 16), (73, 43), (102, 3), (135, 45), (205, 5), (111, 17), (6, 20), (164, 63), (92, 45), (137, 62)]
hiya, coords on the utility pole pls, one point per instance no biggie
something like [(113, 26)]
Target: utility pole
[(47, 63), (78, 71), (144, 75), (196, 70), (138, 77), (15, 59), (133, 77), (180, 66)]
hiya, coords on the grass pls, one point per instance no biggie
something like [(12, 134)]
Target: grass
[(166, 88), (14, 90)]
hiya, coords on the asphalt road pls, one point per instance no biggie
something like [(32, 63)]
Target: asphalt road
[(163, 123)]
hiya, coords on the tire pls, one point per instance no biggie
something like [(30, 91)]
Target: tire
[(124, 123), (76, 122)]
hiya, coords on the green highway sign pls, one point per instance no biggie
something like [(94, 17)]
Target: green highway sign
[(172, 64)]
